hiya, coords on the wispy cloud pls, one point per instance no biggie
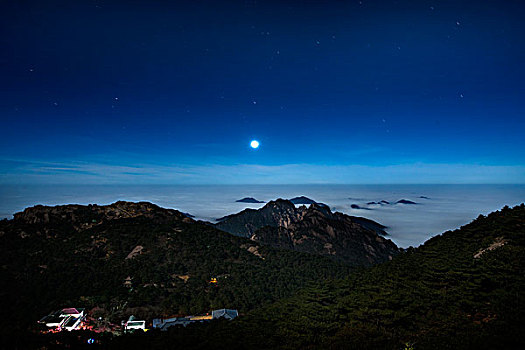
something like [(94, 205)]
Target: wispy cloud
[(27, 171)]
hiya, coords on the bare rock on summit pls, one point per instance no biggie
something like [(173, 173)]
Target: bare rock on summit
[(275, 213), (83, 217)]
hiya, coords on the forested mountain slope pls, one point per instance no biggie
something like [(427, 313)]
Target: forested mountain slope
[(137, 258), (463, 289)]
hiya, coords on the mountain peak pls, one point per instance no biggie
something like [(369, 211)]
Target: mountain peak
[(280, 203), (248, 200), (302, 200), (315, 229), (88, 215)]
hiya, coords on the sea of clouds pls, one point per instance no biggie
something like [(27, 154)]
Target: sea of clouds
[(439, 207)]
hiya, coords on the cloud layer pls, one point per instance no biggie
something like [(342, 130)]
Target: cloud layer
[(76, 172)]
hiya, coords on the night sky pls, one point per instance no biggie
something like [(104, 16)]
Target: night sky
[(334, 91)]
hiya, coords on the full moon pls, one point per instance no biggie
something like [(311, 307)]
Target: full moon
[(254, 144)]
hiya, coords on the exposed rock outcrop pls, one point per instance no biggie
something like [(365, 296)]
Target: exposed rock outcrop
[(498, 243), (316, 230)]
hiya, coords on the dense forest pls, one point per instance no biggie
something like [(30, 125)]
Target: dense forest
[(81, 258), (460, 290)]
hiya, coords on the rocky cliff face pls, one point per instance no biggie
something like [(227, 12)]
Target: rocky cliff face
[(316, 230), (276, 213)]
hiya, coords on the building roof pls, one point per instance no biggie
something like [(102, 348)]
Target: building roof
[(51, 319), (226, 313), (70, 311)]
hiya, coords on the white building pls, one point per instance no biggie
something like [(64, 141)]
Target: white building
[(68, 319), (132, 325)]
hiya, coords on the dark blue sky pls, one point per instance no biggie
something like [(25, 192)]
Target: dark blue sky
[(335, 91)]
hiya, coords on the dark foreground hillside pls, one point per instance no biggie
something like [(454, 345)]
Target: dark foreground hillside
[(140, 259), (460, 290)]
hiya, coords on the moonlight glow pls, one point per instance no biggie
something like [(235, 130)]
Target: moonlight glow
[(254, 144)]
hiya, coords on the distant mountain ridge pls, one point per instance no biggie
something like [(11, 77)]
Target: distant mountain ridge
[(315, 229), (302, 200), (248, 200)]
